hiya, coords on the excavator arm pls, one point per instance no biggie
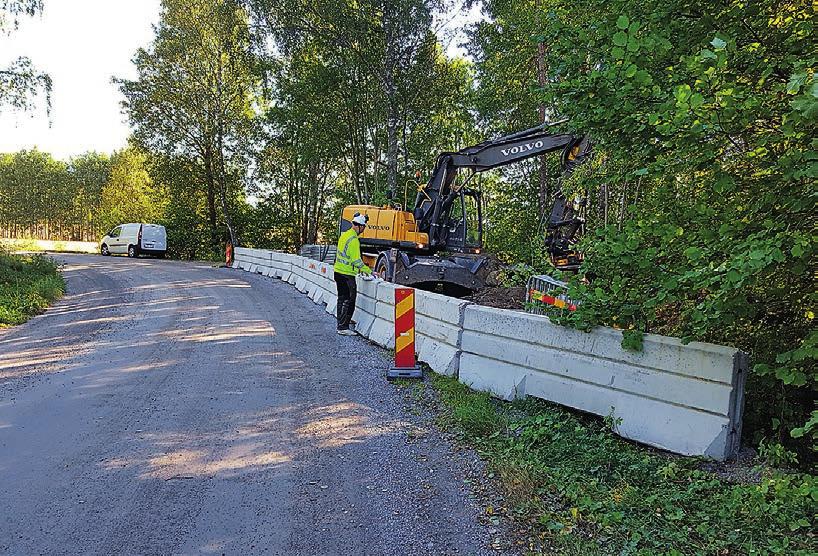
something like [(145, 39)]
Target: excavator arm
[(434, 201)]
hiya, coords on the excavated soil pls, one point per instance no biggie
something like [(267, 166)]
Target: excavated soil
[(500, 297)]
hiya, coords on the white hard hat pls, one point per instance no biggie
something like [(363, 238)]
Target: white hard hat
[(360, 219)]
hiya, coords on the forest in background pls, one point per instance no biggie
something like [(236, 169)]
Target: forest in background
[(257, 120)]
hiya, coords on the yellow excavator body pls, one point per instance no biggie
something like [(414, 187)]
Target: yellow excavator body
[(387, 227)]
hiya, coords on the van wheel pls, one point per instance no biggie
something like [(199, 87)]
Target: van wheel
[(104, 250), (131, 251)]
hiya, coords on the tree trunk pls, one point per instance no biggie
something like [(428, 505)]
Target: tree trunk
[(390, 65), (211, 196), (541, 81), (223, 192)]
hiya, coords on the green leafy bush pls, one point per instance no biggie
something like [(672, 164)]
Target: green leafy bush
[(701, 191), (28, 284)]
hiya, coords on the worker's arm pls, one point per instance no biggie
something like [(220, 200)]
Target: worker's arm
[(355, 256)]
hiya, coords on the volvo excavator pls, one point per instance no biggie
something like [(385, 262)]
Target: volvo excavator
[(438, 244)]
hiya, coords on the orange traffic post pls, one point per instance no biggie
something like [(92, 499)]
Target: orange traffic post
[(405, 365), (228, 254)]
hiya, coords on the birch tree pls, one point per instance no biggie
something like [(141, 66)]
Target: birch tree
[(193, 97)]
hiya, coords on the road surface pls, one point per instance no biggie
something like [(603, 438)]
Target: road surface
[(164, 407)]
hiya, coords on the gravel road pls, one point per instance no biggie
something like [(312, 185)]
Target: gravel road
[(173, 408)]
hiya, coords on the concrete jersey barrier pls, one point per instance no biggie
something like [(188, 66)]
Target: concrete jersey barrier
[(683, 398), (686, 399), (438, 331)]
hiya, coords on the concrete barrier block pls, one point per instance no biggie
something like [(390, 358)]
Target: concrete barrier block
[(327, 293), (676, 397), (363, 321), (382, 331), (284, 271), (314, 292), (505, 381), (332, 305), (439, 307), (385, 291), (705, 361), (448, 333), (367, 288), (327, 271), (365, 305), (670, 427), (441, 357), (607, 373)]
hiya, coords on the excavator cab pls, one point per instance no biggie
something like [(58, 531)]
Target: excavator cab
[(464, 230)]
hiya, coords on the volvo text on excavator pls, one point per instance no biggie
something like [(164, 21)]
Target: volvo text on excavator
[(439, 243)]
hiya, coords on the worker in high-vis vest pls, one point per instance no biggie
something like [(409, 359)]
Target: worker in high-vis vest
[(348, 264)]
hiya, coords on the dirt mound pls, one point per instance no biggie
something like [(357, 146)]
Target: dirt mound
[(500, 297)]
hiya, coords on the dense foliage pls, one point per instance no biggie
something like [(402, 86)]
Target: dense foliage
[(701, 194), (363, 98), (192, 100), (43, 198)]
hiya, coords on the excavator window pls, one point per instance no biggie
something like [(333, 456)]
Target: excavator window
[(464, 224)]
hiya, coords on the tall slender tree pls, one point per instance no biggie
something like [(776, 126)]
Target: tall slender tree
[(194, 97)]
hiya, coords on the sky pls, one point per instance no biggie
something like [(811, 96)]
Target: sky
[(82, 44)]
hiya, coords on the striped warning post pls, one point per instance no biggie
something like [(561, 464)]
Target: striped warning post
[(405, 365), (550, 300)]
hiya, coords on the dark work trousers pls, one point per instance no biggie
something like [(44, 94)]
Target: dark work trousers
[(347, 292)]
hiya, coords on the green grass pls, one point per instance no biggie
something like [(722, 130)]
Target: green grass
[(576, 488), (28, 284), (36, 245)]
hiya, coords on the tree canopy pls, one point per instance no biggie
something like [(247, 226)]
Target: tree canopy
[(20, 81)]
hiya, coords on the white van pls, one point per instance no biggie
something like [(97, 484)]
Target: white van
[(135, 240)]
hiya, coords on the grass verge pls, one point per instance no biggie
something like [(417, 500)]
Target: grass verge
[(28, 284), (573, 487)]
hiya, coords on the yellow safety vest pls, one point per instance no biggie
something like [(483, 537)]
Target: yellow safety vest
[(348, 256)]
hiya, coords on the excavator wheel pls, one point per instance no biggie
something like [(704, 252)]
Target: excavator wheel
[(383, 268)]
